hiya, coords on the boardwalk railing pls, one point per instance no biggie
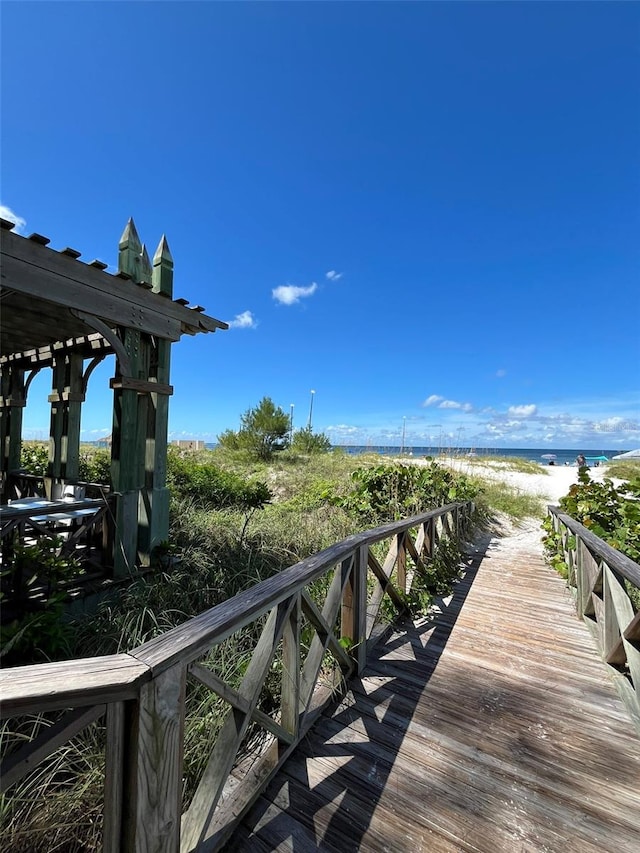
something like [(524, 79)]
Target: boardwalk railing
[(601, 579), (313, 624)]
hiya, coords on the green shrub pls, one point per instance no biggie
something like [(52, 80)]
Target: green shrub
[(34, 458), (263, 431), (210, 486), (611, 513), (95, 465), (306, 441), (390, 492)]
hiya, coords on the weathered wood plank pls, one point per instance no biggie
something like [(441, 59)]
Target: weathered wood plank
[(70, 684), (153, 786), (114, 778)]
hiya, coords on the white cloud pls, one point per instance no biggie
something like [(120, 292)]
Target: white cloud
[(7, 213), (500, 373), (246, 320), (432, 400), (454, 404), (332, 275), (522, 411), (289, 294), (441, 403)]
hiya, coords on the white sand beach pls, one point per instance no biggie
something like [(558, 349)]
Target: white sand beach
[(549, 485)]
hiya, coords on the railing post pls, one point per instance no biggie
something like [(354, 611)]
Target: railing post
[(401, 562), (153, 779), (579, 578), (113, 778), (290, 688), (353, 615)]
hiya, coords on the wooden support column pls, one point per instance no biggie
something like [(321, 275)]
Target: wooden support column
[(127, 449), (154, 499), (12, 402), (66, 401)]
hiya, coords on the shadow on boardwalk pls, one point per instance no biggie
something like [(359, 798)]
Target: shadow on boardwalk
[(506, 736)]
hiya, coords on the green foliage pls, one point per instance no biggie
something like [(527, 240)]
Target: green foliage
[(393, 491), (307, 441), (609, 512), (264, 430), (34, 458), (40, 631), (210, 486), (95, 465)]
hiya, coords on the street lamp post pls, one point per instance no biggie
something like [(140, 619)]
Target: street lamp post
[(311, 410)]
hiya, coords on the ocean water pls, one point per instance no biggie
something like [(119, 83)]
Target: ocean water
[(533, 454)]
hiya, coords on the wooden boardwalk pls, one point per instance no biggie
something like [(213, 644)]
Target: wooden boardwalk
[(494, 727)]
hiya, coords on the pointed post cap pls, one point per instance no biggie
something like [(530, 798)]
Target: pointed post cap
[(163, 269), (146, 272), (130, 236), (129, 251)]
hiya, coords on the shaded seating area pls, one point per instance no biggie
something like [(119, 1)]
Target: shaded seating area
[(65, 316)]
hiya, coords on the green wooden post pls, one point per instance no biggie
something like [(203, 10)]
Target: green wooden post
[(140, 424), (56, 427), (155, 500), (66, 401), (12, 402), (126, 450)]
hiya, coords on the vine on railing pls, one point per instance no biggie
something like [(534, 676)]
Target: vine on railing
[(312, 625)]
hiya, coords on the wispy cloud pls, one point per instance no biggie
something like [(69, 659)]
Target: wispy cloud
[(501, 373), (7, 213), (441, 403), (246, 320), (332, 275), (527, 411), (432, 400), (289, 294)]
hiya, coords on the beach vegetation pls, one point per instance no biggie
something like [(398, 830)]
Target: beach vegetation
[(264, 430), (497, 496), (507, 463), (610, 512), (387, 492), (306, 441), (624, 469)]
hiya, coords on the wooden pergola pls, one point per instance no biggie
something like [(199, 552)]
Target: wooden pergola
[(60, 313)]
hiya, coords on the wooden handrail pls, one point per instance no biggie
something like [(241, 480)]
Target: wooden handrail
[(143, 692), (599, 548), (599, 576), (189, 640)]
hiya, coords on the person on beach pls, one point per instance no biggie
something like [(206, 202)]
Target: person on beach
[(581, 462)]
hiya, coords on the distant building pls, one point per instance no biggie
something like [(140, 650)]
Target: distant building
[(189, 444)]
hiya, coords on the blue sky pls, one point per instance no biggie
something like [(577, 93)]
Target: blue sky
[(428, 213)]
